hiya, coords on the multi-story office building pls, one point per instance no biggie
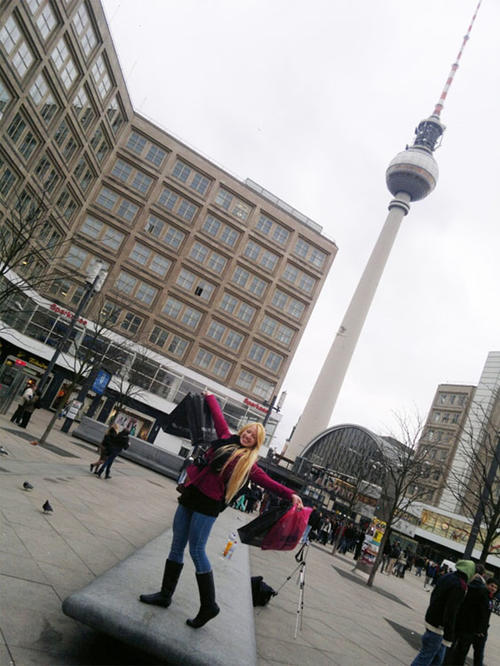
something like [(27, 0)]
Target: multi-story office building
[(477, 443), (440, 436), (215, 275)]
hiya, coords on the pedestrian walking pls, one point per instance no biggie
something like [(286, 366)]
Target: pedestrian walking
[(104, 448), (209, 488), (472, 622), (27, 395), (440, 617), (117, 444), (28, 409)]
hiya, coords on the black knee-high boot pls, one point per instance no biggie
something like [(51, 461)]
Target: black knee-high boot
[(170, 577), (208, 607)]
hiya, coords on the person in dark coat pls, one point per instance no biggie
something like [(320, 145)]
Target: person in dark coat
[(312, 524), (116, 445), (104, 448), (28, 409), (471, 625), (445, 601)]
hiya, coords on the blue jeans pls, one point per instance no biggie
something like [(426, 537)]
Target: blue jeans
[(432, 650), (106, 466), (193, 527), (305, 536)]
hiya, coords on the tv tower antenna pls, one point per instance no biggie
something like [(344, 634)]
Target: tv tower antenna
[(410, 176)]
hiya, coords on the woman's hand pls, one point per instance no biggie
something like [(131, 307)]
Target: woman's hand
[(297, 502)]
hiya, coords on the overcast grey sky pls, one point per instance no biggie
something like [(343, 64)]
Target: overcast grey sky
[(312, 100)]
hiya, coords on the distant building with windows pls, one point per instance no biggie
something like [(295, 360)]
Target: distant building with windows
[(440, 436), (215, 275)]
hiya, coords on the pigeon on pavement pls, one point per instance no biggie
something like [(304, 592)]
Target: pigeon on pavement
[(27, 485), (3, 452), (46, 507)]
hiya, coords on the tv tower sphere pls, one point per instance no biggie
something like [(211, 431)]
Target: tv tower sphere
[(414, 170)]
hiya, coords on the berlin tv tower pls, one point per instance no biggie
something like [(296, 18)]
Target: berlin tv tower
[(411, 176)]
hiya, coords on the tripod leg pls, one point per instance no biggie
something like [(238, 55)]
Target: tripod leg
[(300, 606)]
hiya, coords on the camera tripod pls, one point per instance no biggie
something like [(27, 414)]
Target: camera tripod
[(300, 558)]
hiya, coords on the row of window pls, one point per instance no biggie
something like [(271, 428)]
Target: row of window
[(456, 399), (445, 417), (135, 178)]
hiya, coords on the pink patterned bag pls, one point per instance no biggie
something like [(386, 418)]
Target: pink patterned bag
[(286, 533)]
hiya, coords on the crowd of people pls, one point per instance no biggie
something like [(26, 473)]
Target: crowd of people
[(340, 532)]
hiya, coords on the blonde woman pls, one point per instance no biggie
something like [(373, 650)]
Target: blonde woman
[(210, 486)]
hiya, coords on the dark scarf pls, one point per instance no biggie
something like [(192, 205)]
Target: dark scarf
[(221, 457)]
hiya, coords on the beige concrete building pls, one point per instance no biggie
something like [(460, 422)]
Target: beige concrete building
[(441, 435), (216, 274)]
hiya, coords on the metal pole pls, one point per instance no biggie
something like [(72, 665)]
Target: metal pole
[(485, 496), (269, 411), (89, 289)]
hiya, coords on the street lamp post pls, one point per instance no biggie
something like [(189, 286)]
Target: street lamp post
[(93, 283), (272, 406), (483, 500)]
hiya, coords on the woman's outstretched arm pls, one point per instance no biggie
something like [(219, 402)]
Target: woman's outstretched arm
[(221, 427)]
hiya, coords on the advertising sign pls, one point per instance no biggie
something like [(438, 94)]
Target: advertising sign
[(101, 381)]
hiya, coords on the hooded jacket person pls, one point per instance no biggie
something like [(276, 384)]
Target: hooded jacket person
[(440, 618)]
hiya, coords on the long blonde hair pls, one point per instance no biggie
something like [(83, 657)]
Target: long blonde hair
[(245, 459)]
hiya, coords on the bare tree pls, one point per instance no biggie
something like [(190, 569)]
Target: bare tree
[(32, 238), (476, 486), (402, 466)]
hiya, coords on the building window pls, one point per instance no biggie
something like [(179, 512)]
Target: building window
[(146, 293), (190, 177), (233, 340), (127, 210), (245, 380), (16, 47), (83, 109), (178, 346), (100, 144), (158, 336), (76, 256), (22, 136), (217, 229), (191, 317), (141, 182), (126, 283), (160, 265), (311, 254), (273, 361), (101, 77), (115, 115), (64, 64), (140, 254), (5, 98), (229, 303), (84, 174), (256, 352), (270, 228), (245, 312), (172, 307), (43, 98), (156, 155), (131, 323), (66, 205), (216, 331), (232, 204), (121, 170), (107, 198), (136, 143), (154, 226), (44, 16), (84, 30)]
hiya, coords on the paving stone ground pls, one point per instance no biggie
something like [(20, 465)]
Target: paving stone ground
[(98, 523)]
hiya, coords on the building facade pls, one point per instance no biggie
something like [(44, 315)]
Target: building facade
[(440, 437), (213, 274), (477, 442)]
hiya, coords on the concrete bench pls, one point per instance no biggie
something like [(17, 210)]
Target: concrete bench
[(141, 452), (110, 604)]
